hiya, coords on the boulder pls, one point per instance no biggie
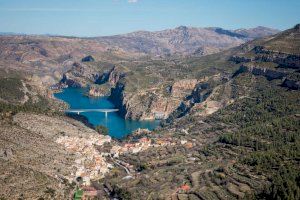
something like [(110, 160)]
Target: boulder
[(88, 58)]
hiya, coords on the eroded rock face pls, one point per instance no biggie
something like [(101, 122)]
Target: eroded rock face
[(256, 70), (80, 75), (140, 105), (284, 60), (95, 91), (270, 75), (262, 54), (114, 76), (240, 59), (291, 84), (150, 105), (111, 76), (201, 92)]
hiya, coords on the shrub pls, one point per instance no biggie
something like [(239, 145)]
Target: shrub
[(102, 129)]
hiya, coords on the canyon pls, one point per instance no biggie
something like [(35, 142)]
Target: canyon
[(227, 110)]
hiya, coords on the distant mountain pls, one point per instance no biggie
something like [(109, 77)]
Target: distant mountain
[(184, 40), (257, 32), (10, 33)]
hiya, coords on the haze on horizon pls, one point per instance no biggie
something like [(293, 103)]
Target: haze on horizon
[(110, 17)]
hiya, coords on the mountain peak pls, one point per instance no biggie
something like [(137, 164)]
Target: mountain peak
[(183, 28), (297, 27)]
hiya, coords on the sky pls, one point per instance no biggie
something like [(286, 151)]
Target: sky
[(110, 17)]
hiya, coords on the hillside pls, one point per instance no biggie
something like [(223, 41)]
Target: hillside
[(241, 140)]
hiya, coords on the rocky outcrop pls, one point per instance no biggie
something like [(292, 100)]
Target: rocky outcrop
[(81, 75), (142, 106), (117, 96), (70, 82), (282, 59), (88, 59), (201, 92), (115, 75), (256, 70), (96, 91), (291, 84), (149, 104), (240, 59), (270, 75), (111, 76)]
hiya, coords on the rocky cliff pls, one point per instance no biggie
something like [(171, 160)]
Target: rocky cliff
[(149, 105), (95, 91)]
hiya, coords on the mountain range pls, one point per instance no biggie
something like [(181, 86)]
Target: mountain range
[(185, 40)]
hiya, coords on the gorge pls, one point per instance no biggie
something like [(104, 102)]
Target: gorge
[(228, 104), (118, 127)]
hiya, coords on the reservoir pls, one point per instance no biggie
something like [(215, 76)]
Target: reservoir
[(117, 126)]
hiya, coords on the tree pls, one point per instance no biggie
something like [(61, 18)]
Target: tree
[(102, 129)]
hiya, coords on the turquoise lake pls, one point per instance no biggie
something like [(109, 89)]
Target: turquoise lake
[(117, 126)]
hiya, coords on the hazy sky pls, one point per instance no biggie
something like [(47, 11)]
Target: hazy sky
[(108, 17)]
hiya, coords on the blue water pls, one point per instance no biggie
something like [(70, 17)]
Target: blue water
[(117, 126)]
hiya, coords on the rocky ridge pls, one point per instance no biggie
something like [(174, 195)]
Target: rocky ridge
[(184, 40)]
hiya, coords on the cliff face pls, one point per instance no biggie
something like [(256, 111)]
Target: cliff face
[(150, 105), (96, 91), (283, 60), (274, 58), (117, 96), (291, 84), (268, 73), (80, 75)]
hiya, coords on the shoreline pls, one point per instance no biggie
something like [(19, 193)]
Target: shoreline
[(84, 119)]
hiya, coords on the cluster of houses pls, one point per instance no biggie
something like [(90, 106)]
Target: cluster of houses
[(141, 145), (89, 164)]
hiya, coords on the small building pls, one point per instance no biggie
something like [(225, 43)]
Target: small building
[(58, 86)]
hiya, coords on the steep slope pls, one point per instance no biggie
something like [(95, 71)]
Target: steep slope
[(42, 152), (147, 89)]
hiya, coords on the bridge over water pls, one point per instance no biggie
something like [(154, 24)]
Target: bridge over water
[(78, 111)]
